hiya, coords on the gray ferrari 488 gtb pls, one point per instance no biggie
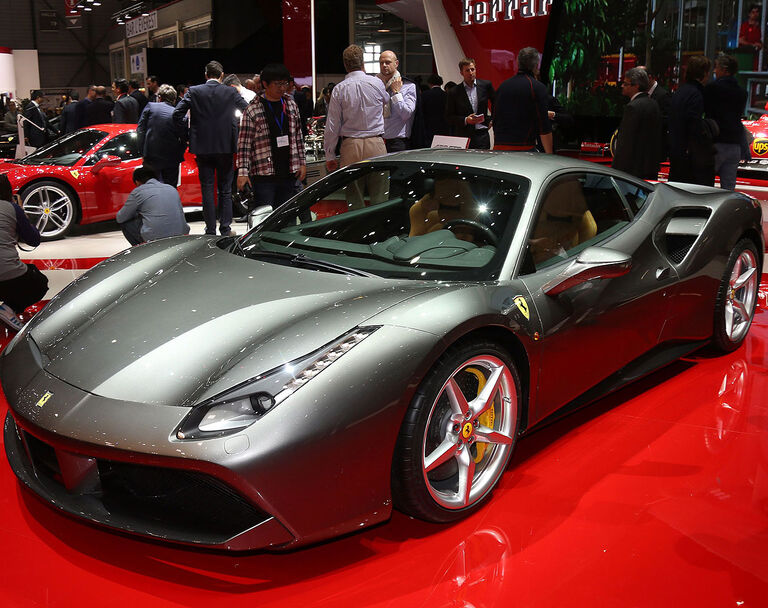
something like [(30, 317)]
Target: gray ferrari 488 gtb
[(383, 339)]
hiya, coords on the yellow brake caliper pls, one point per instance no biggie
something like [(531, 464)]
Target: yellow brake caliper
[(487, 417)]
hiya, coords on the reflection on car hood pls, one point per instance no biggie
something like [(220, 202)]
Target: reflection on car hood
[(179, 321)]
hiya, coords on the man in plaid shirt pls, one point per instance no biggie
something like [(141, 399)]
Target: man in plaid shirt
[(270, 148)]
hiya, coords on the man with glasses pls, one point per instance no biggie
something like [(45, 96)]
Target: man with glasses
[(270, 148), (639, 147), (213, 140)]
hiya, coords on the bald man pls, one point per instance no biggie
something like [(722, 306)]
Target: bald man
[(399, 112)]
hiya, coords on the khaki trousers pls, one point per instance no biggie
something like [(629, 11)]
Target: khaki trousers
[(354, 150)]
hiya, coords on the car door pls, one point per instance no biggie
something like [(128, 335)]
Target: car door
[(598, 327), (113, 184)]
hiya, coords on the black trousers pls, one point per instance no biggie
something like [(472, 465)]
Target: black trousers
[(169, 175), (23, 291), (396, 145), (480, 140)]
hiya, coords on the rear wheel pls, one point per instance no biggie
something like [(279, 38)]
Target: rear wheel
[(458, 434), (51, 207), (736, 297)]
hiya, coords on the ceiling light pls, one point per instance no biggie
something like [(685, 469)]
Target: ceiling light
[(383, 31)]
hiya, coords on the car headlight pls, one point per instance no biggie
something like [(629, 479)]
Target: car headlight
[(244, 405)]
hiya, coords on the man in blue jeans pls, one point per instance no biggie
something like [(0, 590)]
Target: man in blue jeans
[(212, 139), (270, 148)]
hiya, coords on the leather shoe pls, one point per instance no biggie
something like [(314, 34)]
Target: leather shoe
[(229, 232)]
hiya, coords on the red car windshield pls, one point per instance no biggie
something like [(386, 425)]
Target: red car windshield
[(66, 150)]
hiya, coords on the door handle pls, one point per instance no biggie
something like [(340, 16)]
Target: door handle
[(662, 273)]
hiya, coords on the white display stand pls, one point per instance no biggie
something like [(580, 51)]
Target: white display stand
[(447, 141)]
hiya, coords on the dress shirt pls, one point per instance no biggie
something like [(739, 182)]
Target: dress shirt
[(159, 207), (472, 94), (356, 109), (402, 110), (246, 94)]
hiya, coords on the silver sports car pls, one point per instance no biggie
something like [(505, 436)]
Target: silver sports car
[(381, 340)]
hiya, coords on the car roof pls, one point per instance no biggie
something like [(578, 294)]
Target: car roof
[(533, 165)]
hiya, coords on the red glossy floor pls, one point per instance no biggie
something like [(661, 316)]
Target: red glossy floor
[(656, 496)]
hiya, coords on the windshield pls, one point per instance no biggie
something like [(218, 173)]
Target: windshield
[(398, 220), (66, 150)]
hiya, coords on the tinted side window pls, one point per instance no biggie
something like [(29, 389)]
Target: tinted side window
[(576, 211), (634, 195), (124, 146)]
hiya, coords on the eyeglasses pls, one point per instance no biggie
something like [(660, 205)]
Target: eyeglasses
[(280, 83)]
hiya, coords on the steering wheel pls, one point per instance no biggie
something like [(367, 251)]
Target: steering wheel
[(487, 232)]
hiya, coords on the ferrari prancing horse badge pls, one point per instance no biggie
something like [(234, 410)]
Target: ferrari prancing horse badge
[(522, 306)]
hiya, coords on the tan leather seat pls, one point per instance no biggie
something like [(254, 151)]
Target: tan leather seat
[(564, 220), (452, 199)]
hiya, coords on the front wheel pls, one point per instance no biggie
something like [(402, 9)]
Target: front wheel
[(51, 208), (458, 434), (736, 297)]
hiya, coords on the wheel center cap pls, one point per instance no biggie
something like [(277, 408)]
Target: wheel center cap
[(47, 211), (466, 430)]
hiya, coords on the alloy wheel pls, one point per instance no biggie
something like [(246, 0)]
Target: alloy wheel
[(470, 432), (50, 209), (742, 291)]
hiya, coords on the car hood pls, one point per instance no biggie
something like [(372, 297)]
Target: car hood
[(178, 321)]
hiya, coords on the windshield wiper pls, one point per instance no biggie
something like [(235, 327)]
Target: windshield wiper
[(301, 260)]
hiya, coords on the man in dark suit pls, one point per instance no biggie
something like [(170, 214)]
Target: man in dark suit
[(160, 140), (466, 107), (521, 112), (638, 151), (81, 110), (724, 102), (68, 114), (662, 97), (34, 113), (433, 109), (135, 92), (126, 108), (99, 111), (213, 141), (691, 150)]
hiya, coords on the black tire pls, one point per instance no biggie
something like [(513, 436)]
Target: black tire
[(736, 300), (52, 207), (423, 483)]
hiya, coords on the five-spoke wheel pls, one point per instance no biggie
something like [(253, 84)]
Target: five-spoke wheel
[(50, 207), (458, 434), (737, 297)]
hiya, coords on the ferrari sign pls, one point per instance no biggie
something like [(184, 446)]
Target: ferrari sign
[(491, 11)]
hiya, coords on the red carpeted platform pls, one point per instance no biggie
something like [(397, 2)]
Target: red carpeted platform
[(656, 496)]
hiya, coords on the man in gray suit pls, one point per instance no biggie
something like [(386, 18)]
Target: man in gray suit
[(161, 141)]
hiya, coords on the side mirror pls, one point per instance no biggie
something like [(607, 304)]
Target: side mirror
[(592, 263), (258, 215), (105, 161)]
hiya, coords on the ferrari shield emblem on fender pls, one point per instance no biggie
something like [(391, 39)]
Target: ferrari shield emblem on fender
[(44, 399), (75, 173), (522, 306)]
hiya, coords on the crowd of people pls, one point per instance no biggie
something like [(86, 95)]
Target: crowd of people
[(251, 134)]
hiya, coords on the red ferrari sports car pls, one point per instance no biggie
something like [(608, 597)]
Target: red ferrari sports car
[(85, 177)]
